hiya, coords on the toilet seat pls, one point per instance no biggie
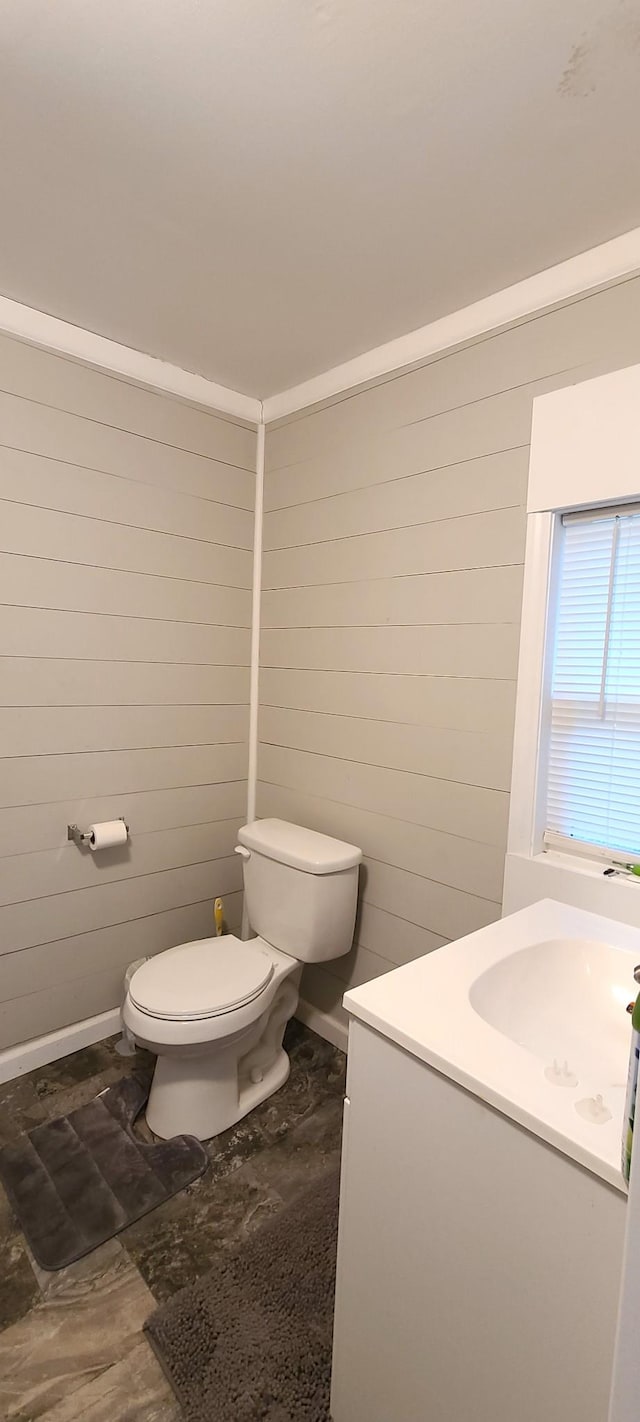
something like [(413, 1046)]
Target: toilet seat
[(206, 978)]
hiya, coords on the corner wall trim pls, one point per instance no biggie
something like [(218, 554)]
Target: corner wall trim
[(610, 261), (15, 1061), (252, 772), (62, 338)]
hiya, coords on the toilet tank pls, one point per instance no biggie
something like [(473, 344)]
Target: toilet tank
[(301, 888)]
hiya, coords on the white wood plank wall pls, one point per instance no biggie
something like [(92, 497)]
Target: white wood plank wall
[(394, 539), (126, 528)]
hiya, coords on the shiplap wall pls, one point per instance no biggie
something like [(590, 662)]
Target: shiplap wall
[(125, 569), (394, 540)]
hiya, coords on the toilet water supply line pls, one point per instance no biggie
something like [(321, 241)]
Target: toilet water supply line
[(252, 771)]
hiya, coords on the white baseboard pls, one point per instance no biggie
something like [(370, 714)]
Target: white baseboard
[(15, 1061), (324, 1024)]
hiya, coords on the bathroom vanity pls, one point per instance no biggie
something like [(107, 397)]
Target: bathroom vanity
[(482, 1207)]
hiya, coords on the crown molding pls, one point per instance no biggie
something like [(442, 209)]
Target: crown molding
[(37, 328), (595, 267), (608, 262)]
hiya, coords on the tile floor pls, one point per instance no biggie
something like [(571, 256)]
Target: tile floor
[(71, 1346)]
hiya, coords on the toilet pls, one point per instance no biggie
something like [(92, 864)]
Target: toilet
[(214, 1010)]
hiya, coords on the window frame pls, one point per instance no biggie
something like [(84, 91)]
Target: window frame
[(585, 454), (531, 739)]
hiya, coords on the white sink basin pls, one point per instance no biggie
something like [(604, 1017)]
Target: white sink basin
[(564, 1000), (530, 1015)]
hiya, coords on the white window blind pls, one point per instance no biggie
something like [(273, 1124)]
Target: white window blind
[(593, 789)]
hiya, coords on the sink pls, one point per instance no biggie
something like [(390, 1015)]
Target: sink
[(529, 1014), (564, 1000)]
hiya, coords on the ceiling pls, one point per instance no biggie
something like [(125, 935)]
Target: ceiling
[(258, 190)]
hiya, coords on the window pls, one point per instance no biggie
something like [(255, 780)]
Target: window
[(593, 775)]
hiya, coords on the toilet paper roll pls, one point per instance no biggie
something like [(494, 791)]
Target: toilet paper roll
[(107, 834)]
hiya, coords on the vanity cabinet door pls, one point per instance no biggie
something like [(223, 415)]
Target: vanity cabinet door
[(478, 1269)]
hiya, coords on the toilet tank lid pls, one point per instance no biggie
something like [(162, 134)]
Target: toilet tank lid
[(301, 848)]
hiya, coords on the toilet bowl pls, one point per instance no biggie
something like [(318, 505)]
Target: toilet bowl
[(214, 1010)]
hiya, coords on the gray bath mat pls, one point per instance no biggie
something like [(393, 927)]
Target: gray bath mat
[(251, 1340), (75, 1182)]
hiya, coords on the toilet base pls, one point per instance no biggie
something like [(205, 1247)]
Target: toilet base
[(201, 1091), (199, 1096)]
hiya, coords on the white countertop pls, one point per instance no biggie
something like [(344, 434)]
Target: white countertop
[(425, 1008)]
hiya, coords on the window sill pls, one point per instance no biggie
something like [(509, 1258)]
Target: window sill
[(578, 864), (570, 880)]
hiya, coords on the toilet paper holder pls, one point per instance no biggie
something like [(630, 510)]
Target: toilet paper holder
[(81, 837)]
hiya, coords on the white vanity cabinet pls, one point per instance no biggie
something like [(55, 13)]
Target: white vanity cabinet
[(478, 1266)]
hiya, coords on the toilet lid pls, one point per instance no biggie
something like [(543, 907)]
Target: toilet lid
[(201, 979)]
